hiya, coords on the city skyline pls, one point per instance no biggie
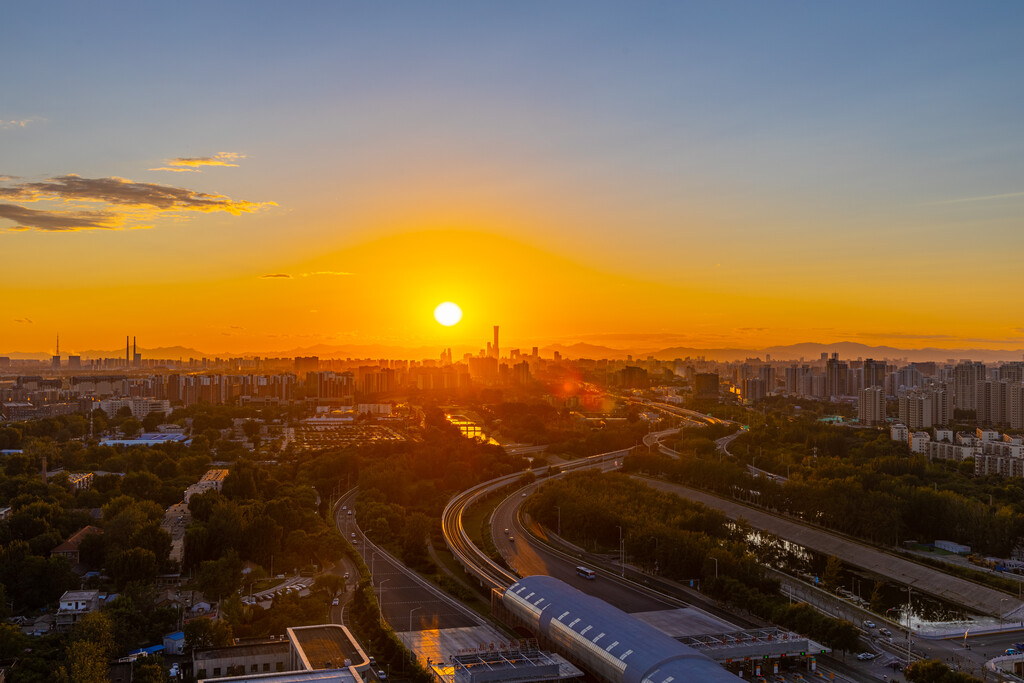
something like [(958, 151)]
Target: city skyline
[(694, 176)]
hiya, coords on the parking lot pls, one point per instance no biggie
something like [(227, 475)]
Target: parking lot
[(312, 437)]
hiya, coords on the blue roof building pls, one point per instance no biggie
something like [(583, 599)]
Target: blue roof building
[(603, 639)]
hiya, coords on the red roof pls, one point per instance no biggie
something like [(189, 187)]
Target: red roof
[(75, 539)]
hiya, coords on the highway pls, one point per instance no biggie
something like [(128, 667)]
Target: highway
[(408, 601), (475, 561), (528, 558), (976, 597), (704, 615)]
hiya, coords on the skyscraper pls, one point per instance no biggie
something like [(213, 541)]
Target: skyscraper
[(966, 376), (871, 406), (874, 373), (836, 377)]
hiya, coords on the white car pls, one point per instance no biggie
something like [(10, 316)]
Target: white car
[(335, 602), (864, 656)]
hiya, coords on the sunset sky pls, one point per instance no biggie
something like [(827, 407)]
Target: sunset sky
[(257, 176)]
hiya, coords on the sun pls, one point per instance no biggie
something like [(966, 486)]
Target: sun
[(448, 314)]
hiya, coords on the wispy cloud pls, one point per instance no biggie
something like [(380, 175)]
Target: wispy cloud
[(17, 123), (984, 198), (937, 337), (58, 221), (193, 164), (289, 276), (128, 204), (23, 321)]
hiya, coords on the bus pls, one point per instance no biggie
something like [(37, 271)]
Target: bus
[(586, 573)]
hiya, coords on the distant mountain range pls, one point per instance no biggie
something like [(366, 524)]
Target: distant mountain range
[(808, 351)]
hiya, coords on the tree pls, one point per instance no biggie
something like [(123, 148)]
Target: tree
[(934, 671), (142, 485), (85, 664), (877, 601), (251, 428), (830, 577), (205, 632), (220, 578), (152, 421), (12, 642), (131, 427), (134, 564), (332, 584), (95, 628), (150, 669), (89, 647)]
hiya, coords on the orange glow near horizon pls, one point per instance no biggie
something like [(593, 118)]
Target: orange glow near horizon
[(370, 297)]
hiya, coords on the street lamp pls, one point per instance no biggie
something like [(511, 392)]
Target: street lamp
[(715, 560), (559, 509), (622, 553), (410, 615)]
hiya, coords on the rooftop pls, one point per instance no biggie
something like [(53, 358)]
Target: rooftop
[(250, 650), (326, 646), (75, 539), (211, 475), (79, 595), (323, 676)]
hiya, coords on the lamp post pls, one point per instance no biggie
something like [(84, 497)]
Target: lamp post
[(380, 599), (715, 560), (559, 509), (622, 554), (410, 615), (1001, 601)]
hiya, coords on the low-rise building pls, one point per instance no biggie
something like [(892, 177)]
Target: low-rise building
[(951, 547), (140, 407), (174, 643), (81, 481), (316, 653), (919, 442), (74, 605), (69, 549), (995, 464), (942, 450), (212, 480), (899, 432)]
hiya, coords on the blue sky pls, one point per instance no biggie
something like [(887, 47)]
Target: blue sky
[(795, 143)]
